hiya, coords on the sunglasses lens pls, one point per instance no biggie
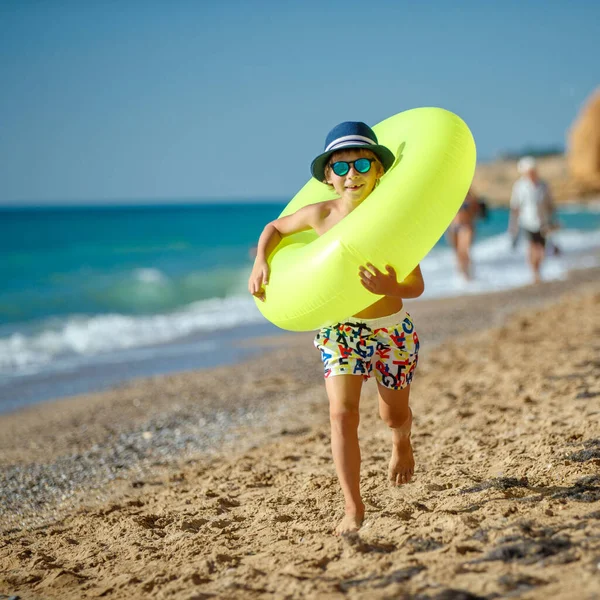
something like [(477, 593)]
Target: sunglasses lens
[(340, 168), (362, 165)]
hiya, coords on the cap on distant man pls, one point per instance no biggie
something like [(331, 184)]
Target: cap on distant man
[(526, 164)]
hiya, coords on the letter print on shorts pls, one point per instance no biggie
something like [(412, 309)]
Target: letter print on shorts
[(355, 349), (396, 354)]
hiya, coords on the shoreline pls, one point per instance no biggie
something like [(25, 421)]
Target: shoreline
[(193, 352), (488, 310), (505, 501)]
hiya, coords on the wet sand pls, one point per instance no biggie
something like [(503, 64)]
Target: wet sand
[(219, 484)]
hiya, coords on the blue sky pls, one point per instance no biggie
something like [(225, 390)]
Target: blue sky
[(125, 100)]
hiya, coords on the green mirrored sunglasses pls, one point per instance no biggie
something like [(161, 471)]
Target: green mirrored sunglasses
[(361, 165)]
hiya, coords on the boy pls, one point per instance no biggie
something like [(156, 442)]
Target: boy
[(383, 333)]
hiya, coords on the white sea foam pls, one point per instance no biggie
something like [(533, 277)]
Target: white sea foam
[(88, 336), (149, 275), (498, 267)]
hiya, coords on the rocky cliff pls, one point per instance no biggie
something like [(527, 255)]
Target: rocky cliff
[(583, 156)]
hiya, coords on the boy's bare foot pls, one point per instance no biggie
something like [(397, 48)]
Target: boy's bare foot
[(402, 463), (351, 522)]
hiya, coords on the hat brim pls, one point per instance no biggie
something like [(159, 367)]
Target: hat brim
[(384, 154)]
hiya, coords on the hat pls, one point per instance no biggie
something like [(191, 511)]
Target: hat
[(526, 164), (347, 135)]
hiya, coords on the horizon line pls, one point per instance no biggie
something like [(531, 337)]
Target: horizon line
[(138, 201)]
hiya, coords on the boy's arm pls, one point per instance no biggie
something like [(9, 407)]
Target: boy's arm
[(301, 220), (413, 286), (387, 284)]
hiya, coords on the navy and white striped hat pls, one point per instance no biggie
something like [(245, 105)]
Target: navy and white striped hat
[(350, 134)]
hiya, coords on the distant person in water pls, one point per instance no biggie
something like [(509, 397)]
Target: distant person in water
[(532, 211), (461, 232)]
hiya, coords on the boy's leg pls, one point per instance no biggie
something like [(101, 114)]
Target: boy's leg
[(396, 414), (344, 397)]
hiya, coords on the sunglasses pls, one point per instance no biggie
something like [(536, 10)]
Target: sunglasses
[(361, 165)]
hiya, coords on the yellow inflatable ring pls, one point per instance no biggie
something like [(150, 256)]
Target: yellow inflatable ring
[(314, 280)]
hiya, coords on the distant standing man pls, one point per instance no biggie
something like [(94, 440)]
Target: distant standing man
[(531, 209)]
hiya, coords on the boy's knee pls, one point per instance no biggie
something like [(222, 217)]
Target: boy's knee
[(344, 417), (396, 420)]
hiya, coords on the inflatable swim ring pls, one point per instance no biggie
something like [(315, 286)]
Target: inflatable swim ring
[(314, 280)]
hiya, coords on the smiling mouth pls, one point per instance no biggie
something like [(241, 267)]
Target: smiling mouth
[(354, 187)]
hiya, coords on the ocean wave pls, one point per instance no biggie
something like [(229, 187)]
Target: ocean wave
[(497, 266), (81, 335), (148, 289), (149, 275)]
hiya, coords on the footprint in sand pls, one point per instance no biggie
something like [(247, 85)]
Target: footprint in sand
[(151, 521), (193, 525), (283, 518)]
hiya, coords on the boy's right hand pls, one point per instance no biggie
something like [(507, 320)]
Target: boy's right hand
[(259, 278)]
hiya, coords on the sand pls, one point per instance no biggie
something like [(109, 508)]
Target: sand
[(505, 501)]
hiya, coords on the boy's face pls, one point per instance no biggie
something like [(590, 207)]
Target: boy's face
[(354, 186)]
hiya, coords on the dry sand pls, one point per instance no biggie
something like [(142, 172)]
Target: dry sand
[(505, 501)]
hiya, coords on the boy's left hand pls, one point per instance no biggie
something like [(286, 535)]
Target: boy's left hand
[(384, 284)]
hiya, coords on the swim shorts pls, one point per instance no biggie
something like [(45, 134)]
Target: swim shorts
[(388, 345), (537, 237)]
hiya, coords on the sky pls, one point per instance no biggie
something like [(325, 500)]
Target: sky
[(144, 101)]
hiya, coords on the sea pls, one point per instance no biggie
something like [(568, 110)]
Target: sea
[(94, 296)]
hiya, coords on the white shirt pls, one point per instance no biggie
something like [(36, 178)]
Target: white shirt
[(533, 202)]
